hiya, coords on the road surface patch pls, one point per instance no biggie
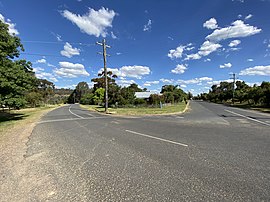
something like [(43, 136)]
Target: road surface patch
[(157, 138), (74, 113), (255, 120)]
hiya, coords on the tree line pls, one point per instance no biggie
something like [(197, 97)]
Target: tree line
[(19, 87), (123, 96), (257, 95)]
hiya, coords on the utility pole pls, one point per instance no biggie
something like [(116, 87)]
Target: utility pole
[(103, 44), (233, 78)]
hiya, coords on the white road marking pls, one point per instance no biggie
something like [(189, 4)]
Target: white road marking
[(73, 119), (157, 138), (255, 120), (179, 117), (74, 113)]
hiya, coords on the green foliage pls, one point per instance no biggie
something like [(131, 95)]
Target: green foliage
[(34, 98), (256, 95), (87, 99), (99, 96), (16, 76), (173, 94)]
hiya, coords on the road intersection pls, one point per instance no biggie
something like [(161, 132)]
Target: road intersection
[(212, 152)]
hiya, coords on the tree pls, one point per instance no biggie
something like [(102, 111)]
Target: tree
[(46, 89), (81, 89), (173, 93), (16, 76), (99, 96), (265, 86)]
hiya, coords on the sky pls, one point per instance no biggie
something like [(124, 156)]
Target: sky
[(190, 43)]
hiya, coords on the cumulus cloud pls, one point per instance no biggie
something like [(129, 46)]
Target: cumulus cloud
[(124, 82), (149, 83), (179, 69), (206, 48), (234, 43), (94, 22), (69, 51), (39, 72), (237, 29), (11, 26), (211, 24), (135, 71), (248, 17), (176, 53), (41, 61), (226, 65), (113, 35), (148, 26), (170, 81), (257, 70), (70, 70), (250, 60)]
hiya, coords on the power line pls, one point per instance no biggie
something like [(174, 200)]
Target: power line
[(53, 42), (37, 54)]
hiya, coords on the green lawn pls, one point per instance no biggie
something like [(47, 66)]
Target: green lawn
[(177, 108), (9, 120)]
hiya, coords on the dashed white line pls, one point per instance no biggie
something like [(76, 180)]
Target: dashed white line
[(255, 120), (74, 113), (157, 138)]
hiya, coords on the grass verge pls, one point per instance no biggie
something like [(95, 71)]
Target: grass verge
[(177, 108), (17, 118)]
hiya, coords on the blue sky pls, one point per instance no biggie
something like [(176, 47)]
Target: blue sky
[(190, 43)]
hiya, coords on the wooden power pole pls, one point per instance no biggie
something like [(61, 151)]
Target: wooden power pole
[(103, 44)]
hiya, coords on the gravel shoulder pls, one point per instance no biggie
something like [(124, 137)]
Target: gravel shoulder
[(17, 180)]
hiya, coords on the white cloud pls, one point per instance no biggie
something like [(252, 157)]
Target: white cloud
[(11, 26), (170, 81), (94, 22), (39, 72), (205, 79), (183, 85), (250, 60), (134, 71), (234, 43), (148, 26), (69, 51), (226, 65), (211, 24), (248, 17), (176, 53), (197, 81), (170, 38), (118, 53), (149, 83), (124, 82), (113, 35), (179, 69), (237, 29), (257, 70), (41, 61), (207, 60), (70, 70), (206, 48)]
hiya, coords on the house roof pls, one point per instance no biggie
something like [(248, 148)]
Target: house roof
[(144, 95)]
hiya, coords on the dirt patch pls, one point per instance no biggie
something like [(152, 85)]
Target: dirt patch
[(14, 182)]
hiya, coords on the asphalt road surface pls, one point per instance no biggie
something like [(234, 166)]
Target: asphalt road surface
[(210, 153)]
